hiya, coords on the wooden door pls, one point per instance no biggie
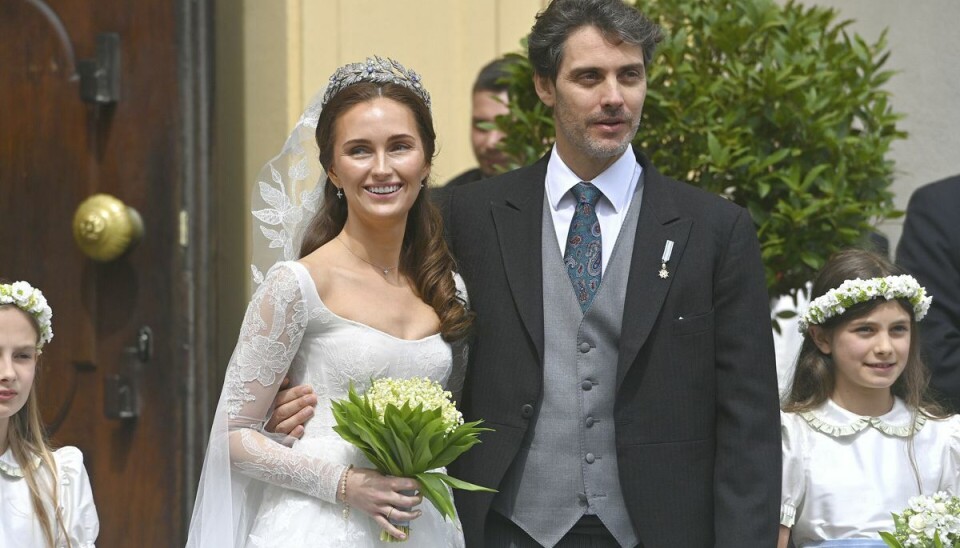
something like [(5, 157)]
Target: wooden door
[(57, 149)]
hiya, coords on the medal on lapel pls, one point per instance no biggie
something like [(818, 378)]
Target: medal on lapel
[(667, 251)]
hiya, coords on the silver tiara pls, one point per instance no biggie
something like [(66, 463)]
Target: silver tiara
[(377, 70)]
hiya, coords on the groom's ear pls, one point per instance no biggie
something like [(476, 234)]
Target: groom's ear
[(546, 89)]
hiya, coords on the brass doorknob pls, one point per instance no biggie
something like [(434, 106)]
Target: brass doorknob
[(105, 228)]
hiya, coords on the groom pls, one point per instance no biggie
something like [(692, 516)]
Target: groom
[(622, 345)]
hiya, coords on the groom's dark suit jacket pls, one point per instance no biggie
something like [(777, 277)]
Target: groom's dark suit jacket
[(697, 422)]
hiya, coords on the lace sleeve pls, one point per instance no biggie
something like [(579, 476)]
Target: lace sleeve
[(269, 339), (460, 349)]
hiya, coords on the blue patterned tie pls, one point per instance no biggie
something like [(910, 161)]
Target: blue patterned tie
[(583, 257)]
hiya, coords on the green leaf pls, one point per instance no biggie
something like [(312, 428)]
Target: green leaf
[(431, 435), (455, 483), (891, 540), (457, 442), (434, 490), (811, 260)]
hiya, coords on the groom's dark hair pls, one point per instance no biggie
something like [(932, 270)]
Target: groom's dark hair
[(613, 18)]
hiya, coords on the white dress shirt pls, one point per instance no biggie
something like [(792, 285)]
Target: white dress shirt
[(617, 183)]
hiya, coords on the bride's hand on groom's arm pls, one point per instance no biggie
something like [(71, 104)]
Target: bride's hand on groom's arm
[(292, 408), (380, 497)]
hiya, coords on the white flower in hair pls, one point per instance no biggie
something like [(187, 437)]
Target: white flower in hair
[(31, 300), (851, 292)]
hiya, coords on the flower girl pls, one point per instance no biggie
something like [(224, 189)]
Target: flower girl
[(859, 435), (35, 511)]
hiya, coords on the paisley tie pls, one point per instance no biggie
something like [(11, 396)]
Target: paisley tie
[(584, 252)]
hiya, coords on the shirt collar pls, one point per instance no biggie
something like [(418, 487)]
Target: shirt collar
[(837, 422), (9, 466), (614, 182)]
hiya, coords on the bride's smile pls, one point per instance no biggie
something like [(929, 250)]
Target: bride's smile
[(379, 160)]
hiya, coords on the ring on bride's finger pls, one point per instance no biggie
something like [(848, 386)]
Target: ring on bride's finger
[(390, 513)]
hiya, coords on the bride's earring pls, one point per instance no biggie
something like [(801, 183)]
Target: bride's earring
[(339, 193)]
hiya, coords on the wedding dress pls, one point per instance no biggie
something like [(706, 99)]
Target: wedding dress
[(257, 491)]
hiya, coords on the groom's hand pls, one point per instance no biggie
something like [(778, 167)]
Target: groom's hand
[(292, 408)]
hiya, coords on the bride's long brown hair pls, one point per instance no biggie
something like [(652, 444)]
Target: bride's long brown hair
[(424, 256)]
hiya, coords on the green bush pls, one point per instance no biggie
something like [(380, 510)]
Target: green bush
[(776, 107)]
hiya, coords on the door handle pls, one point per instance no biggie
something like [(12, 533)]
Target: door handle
[(106, 228)]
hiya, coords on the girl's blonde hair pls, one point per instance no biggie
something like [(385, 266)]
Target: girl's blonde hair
[(814, 377), (27, 439)]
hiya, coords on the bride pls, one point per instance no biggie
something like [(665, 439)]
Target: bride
[(373, 294)]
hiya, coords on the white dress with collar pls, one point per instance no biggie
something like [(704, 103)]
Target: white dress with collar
[(843, 474), (18, 523)]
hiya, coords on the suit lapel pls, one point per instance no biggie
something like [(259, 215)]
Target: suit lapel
[(519, 224), (659, 221)]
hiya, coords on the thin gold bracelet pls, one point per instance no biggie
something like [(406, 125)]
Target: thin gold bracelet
[(343, 492)]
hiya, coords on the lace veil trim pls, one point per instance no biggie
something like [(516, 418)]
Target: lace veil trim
[(289, 190)]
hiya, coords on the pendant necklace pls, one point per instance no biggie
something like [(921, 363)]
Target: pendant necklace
[(378, 267)]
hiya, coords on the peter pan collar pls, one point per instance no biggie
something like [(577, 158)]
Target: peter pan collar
[(837, 422), (10, 467)]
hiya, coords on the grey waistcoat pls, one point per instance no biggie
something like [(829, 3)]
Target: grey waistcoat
[(567, 465)]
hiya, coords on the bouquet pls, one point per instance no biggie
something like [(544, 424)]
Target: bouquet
[(930, 522), (406, 427)]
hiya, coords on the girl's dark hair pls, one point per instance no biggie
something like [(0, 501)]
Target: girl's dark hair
[(424, 256), (814, 377)]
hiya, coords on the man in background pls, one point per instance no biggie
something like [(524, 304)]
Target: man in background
[(930, 250), (489, 101)]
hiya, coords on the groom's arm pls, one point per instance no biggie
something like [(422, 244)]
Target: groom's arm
[(747, 466), (292, 408)]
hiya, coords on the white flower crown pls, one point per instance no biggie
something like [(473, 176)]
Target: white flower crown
[(31, 300), (836, 301)]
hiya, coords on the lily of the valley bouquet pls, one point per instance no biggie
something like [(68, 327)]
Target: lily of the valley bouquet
[(930, 522), (409, 428)]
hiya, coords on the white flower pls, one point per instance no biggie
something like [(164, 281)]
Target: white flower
[(414, 391), (927, 517), (31, 300), (836, 301), (917, 522)]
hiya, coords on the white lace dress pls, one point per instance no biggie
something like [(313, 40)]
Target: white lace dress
[(285, 495)]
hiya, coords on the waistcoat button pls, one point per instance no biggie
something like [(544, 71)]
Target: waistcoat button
[(589, 422), (586, 385), (590, 458), (584, 347), (526, 411)]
